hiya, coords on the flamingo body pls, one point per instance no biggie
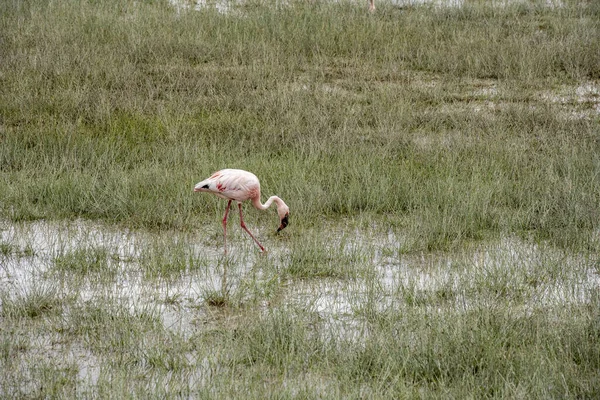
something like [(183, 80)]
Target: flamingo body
[(239, 185), (231, 184)]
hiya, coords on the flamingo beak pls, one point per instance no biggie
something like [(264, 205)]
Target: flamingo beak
[(284, 222)]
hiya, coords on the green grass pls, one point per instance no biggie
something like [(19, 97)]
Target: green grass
[(441, 165), (340, 112), (37, 302)]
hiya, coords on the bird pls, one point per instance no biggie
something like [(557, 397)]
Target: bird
[(371, 5), (239, 185)]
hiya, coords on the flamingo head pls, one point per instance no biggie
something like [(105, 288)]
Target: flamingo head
[(284, 222), (284, 217)]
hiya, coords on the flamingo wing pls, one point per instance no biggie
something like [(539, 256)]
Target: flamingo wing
[(232, 184)]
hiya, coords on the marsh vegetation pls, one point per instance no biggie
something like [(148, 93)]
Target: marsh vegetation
[(441, 164)]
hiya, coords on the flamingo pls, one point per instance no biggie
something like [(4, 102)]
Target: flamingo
[(371, 5), (240, 185)]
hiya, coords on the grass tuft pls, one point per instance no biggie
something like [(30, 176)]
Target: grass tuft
[(35, 303)]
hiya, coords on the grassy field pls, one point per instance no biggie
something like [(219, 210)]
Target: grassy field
[(441, 164)]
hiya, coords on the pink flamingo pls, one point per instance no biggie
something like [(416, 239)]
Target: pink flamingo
[(240, 185)]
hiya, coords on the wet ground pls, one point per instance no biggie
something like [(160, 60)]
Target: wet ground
[(225, 6), (174, 277), (174, 274)]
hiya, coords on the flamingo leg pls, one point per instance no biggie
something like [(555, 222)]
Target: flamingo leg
[(225, 225), (246, 229)]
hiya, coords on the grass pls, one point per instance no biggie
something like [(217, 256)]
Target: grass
[(344, 112), (441, 165), (493, 319)]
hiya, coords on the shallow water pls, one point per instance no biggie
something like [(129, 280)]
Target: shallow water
[(532, 276), (32, 250), (226, 6)]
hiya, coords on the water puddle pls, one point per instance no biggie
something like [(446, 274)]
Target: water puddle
[(101, 263), (221, 6), (134, 267), (171, 276), (227, 6)]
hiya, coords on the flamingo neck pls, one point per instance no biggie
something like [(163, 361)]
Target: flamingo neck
[(273, 199)]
